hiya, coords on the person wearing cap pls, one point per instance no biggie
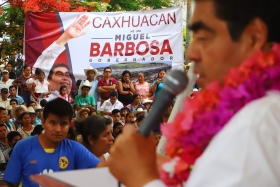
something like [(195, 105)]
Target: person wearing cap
[(9, 68), (106, 84), (4, 100), (85, 100), (91, 75), (147, 104), (6, 82), (16, 112), (39, 115)]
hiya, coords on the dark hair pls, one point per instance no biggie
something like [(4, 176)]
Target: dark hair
[(113, 94), (58, 107), (161, 71), (85, 87), (25, 66), (140, 118), (2, 125), (92, 126), (61, 88), (124, 73), (122, 115), (15, 101), (1, 108), (135, 96), (157, 132), (72, 132), (4, 183), (78, 83), (38, 71), (125, 108), (129, 114), (37, 130), (12, 134), (12, 86), (32, 102), (116, 124), (115, 111), (23, 114), (107, 68), (43, 103), (239, 13)]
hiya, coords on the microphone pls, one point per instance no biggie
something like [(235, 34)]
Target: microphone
[(174, 83)]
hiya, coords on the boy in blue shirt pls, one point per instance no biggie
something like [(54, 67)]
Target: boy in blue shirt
[(50, 151)]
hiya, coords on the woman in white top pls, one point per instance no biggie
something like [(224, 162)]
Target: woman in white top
[(97, 138), (27, 128), (40, 87)]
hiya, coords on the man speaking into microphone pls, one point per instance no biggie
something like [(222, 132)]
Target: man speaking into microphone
[(228, 134)]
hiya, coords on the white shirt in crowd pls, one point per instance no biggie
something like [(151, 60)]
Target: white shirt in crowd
[(245, 153), (109, 107), (4, 104), (6, 84)]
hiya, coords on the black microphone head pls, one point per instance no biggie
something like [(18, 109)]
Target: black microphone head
[(176, 81)]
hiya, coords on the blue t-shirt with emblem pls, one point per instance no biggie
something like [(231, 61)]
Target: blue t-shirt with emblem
[(30, 158)]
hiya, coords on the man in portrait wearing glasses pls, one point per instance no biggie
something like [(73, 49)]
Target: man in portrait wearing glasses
[(106, 84)]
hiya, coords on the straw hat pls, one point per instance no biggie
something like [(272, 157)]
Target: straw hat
[(91, 69), (13, 112), (31, 110), (147, 101), (85, 83), (9, 107), (38, 107), (140, 110), (78, 117)]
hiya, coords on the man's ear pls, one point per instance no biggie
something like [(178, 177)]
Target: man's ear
[(259, 32)]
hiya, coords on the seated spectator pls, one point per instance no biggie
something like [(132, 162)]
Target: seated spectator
[(123, 118), (124, 111), (164, 118), (32, 115), (125, 88), (33, 104), (38, 129), (72, 134), (9, 121), (157, 136), (97, 138), (39, 115), (45, 149), (117, 127), (84, 100), (147, 104), (63, 94), (116, 115), (139, 112), (4, 100), (136, 103), (16, 112), (13, 137), (26, 128), (139, 120), (109, 105), (13, 95), (6, 82), (82, 114), (4, 145), (13, 102), (129, 118), (3, 120)]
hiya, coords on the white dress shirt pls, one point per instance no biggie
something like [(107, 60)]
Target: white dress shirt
[(109, 107), (245, 153)]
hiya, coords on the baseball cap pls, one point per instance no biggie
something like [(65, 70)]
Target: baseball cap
[(4, 90), (5, 71)]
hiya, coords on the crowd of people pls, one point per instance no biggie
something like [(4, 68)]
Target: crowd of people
[(99, 111)]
